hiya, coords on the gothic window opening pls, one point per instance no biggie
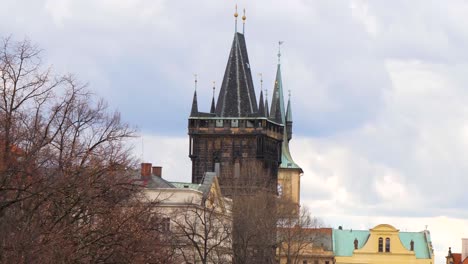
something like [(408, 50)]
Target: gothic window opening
[(236, 169), (380, 244), (387, 244)]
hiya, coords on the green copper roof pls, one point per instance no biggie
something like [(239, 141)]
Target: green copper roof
[(277, 112), (421, 247), (288, 111), (186, 185), (286, 160), (343, 242), (203, 187)]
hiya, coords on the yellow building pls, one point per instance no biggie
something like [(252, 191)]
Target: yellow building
[(383, 244)]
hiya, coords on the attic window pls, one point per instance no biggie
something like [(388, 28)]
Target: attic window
[(250, 123), (219, 123), (387, 244), (186, 186)]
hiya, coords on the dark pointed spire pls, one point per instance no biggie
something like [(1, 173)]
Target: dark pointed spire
[(194, 111), (261, 106), (213, 108), (277, 113), (288, 109), (289, 118), (237, 96)]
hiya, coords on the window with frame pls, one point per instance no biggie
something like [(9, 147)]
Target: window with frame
[(380, 244), (234, 123), (387, 244)]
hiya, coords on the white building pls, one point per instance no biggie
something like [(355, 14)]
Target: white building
[(196, 216)]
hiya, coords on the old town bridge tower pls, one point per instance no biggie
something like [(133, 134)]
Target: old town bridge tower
[(237, 139)]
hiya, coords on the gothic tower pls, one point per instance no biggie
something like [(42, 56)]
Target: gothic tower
[(236, 139), (289, 172)]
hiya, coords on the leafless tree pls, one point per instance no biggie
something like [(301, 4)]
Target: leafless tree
[(205, 228), (66, 193), (298, 233), (254, 215)]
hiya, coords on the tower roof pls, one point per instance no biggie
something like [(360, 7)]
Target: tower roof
[(277, 113), (287, 161), (194, 111), (288, 111), (237, 96), (261, 106), (213, 107)]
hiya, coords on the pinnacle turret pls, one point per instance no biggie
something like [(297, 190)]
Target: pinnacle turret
[(261, 106), (194, 111)]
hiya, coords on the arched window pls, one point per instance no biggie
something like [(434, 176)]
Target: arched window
[(380, 244), (387, 244)]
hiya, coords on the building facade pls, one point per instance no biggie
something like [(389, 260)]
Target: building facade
[(383, 244), (196, 218)]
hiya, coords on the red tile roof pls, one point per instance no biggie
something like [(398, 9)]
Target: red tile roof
[(465, 261), (456, 258)]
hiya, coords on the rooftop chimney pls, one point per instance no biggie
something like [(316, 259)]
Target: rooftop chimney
[(145, 171), (157, 171), (464, 248)]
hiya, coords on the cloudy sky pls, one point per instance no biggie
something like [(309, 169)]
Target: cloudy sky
[(379, 92)]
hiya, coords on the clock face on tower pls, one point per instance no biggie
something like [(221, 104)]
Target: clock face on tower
[(280, 190)]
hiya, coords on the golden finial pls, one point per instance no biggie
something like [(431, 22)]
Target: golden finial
[(235, 20), (243, 22)]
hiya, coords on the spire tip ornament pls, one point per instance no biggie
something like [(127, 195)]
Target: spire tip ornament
[(243, 22), (214, 88), (279, 51), (235, 20)]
